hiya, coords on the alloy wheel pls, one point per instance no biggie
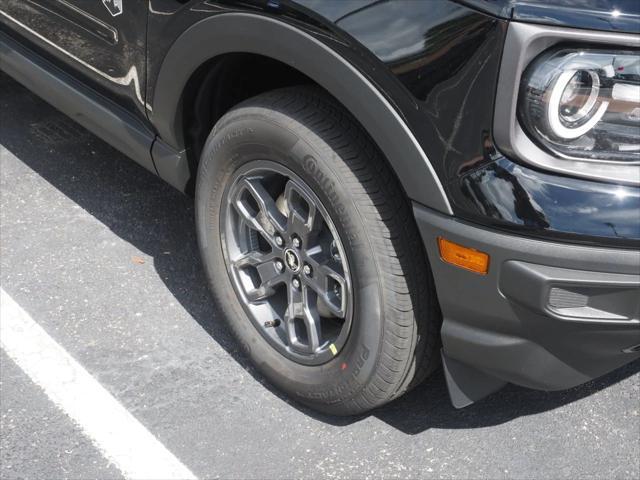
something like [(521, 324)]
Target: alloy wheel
[(287, 263)]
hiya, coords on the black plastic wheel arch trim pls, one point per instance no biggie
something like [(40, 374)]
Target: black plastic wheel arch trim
[(250, 33)]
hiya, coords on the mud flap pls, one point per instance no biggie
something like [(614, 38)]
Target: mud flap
[(467, 385)]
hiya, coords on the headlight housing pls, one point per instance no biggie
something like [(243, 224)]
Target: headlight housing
[(583, 104)]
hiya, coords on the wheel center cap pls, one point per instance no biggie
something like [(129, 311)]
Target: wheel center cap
[(292, 260)]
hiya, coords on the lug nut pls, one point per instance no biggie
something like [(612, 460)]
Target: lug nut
[(296, 283), (279, 265), (279, 240), (307, 270), (296, 242)]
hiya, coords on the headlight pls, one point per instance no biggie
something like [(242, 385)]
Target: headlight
[(583, 104)]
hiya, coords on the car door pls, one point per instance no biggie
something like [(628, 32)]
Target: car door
[(100, 42)]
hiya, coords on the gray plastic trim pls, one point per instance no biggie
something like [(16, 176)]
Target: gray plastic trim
[(504, 328), (172, 166), (465, 384), (523, 43), (530, 285)]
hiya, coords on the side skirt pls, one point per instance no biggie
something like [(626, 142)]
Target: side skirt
[(105, 119)]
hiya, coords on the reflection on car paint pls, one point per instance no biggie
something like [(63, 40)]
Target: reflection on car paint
[(514, 195)]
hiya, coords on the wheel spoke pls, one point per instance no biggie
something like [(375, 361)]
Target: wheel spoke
[(303, 218), (266, 288), (253, 258), (263, 263), (312, 322), (295, 309), (329, 284), (268, 220), (300, 307)]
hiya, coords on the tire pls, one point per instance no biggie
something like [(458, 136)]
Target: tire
[(392, 341)]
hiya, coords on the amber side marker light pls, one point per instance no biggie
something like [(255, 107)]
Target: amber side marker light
[(463, 257)]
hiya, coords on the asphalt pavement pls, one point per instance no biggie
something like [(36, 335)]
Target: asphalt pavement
[(103, 256)]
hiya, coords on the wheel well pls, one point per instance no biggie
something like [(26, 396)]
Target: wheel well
[(371, 103), (219, 85)]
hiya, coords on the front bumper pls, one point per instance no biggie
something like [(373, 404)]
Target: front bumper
[(547, 315)]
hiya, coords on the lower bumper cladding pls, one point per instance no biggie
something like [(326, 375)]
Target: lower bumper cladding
[(546, 315)]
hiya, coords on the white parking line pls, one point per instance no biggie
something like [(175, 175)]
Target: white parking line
[(115, 432)]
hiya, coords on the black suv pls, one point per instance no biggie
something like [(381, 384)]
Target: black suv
[(380, 186)]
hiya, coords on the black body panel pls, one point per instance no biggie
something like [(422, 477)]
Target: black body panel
[(608, 15), (517, 198), (106, 52), (278, 40), (435, 63), (448, 58), (431, 56)]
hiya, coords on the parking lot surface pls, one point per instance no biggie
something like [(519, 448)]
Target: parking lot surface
[(102, 255)]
